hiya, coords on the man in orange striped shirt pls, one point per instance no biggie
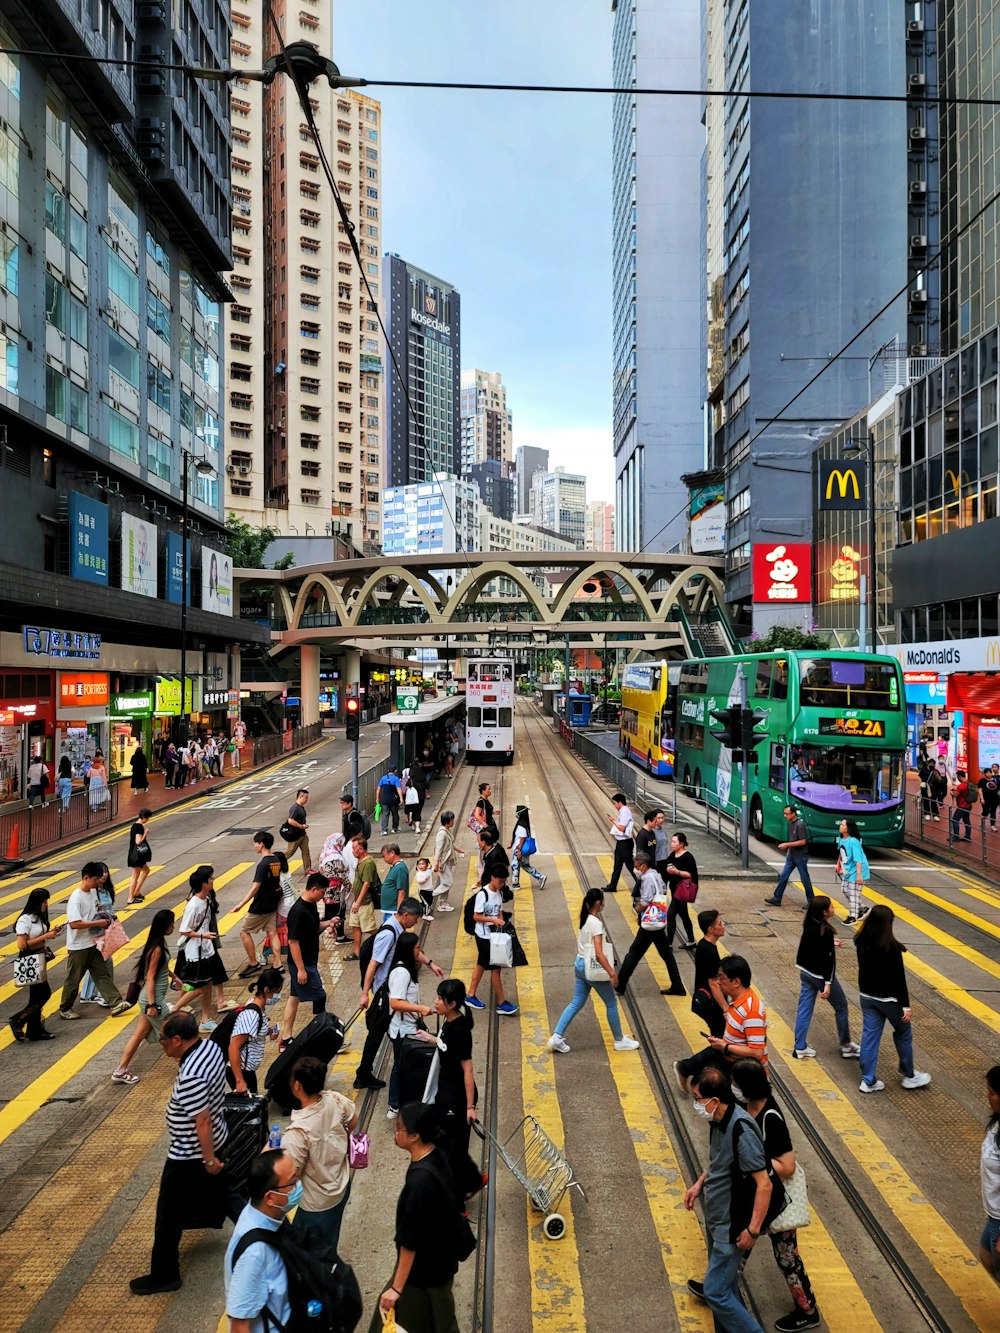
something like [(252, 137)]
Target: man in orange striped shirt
[(746, 1025)]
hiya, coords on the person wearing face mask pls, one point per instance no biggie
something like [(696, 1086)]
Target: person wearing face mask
[(255, 1274), (751, 1089), (736, 1191)]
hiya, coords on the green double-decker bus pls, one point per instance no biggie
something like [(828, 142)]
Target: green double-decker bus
[(833, 740)]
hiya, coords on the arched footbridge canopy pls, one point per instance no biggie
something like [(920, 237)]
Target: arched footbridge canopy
[(672, 605)]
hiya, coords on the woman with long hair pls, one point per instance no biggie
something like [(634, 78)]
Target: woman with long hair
[(457, 1094), (152, 975), (97, 787), (140, 770), (518, 860), (33, 934), (195, 965), (64, 781), (89, 993), (852, 867), (989, 1172), (404, 1005), (590, 944), (139, 856), (884, 999), (817, 964), (443, 865)]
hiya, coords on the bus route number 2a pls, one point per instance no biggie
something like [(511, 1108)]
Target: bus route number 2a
[(852, 726)]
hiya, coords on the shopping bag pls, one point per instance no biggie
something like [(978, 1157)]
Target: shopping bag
[(29, 969), (686, 891), (654, 916), (475, 823), (592, 969), (377, 812), (357, 1153), (501, 949), (287, 892), (529, 847), (520, 958), (112, 939), (795, 1214)]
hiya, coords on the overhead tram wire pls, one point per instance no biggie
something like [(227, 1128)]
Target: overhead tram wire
[(945, 245)]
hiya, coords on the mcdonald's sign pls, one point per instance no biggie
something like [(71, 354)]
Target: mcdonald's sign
[(843, 484)]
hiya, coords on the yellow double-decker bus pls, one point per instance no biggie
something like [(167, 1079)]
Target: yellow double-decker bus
[(646, 726)]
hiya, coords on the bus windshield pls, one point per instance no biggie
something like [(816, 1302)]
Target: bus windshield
[(848, 682), (839, 778)]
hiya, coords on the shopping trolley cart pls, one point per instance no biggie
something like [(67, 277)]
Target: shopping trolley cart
[(540, 1167)]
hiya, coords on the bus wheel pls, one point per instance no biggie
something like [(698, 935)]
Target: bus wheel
[(698, 793), (756, 818), (649, 763), (622, 742), (687, 781)]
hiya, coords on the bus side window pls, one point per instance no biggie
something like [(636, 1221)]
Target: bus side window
[(779, 680), (763, 680), (776, 777)]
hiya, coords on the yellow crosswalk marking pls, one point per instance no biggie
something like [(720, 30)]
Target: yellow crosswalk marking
[(681, 1238), (973, 918), (61, 895), (21, 894)]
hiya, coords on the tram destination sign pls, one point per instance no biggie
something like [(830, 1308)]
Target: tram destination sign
[(869, 727)]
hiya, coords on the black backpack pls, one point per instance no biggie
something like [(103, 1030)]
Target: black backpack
[(366, 825), (469, 913), (223, 1033), (315, 1274), (368, 948)]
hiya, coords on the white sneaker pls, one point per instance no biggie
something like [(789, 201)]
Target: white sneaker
[(851, 1051), (627, 1044), (391, 1112), (556, 1043), (428, 916), (541, 882), (877, 1086), (804, 1053), (917, 1080), (446, 908)]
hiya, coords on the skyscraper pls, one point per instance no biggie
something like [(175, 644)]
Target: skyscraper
[(424, 326), (496, 487), (529, 459), (304, 361), (559, 503), (656, 220), (781, 230), (486, 423), (599, 526)]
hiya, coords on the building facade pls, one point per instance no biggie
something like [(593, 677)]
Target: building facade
[(427, 517), (656, 222), (599, 526), (425, 331), (789, 222), (487, 426), (559, 503), (528, 459), (496, 486), (113, 231), (304, 356)]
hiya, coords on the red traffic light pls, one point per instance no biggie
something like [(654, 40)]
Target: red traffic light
[(352, 705)]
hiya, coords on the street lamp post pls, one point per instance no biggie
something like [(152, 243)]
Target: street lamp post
[(204, 468), (867, 447)]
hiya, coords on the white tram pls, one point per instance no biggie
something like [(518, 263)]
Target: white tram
[(489, 710)]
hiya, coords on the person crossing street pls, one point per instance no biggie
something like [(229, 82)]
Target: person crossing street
[(796, 849)]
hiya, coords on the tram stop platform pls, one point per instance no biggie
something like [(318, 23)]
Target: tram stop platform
[(409, 728)]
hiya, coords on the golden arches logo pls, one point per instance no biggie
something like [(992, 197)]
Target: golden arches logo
[(956, 479), (993, 653), (846, 479)]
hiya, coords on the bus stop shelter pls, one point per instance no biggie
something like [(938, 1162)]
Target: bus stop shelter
[(410, 728)]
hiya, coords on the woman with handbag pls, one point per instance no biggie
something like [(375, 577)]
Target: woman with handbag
[(682, 872), (106, 902), (594, 959), (194, 962), (404, 1006), (523, 846), (319, 1142), (139, 856), (750, 1086), (149, 987), (33, 934)]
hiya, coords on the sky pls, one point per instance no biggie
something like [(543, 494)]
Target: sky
[(505, 195)]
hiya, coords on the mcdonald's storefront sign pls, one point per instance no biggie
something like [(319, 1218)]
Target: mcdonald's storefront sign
[(843, 484), (950, 656)]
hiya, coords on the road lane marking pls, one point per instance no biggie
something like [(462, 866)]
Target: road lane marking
[(26, 888), (953, 909), (60, 896), (938, 936)]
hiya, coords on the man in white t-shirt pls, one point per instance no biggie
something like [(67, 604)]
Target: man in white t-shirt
[(83, 927), (488, 917), (623, 831)]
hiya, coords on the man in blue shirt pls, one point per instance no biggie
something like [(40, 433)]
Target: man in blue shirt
[(390, 796), (259, 1279)]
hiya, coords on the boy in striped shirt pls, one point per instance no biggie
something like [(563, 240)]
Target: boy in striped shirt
[(746, 1025)]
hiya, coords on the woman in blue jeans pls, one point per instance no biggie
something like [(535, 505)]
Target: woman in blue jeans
[(884, 999), (816, 961), (590, 944)]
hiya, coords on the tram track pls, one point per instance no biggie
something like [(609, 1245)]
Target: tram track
[(908, 1280)]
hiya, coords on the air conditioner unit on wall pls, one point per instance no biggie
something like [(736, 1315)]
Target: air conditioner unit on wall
[(918, 241), (918, 189), (918, 134), (916, 82), (915, 29), (918, 297)]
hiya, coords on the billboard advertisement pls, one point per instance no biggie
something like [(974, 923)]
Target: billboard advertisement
[(708, 520), (138, 556), (175, 568), (88, 539), (782, 572), (216, 582)]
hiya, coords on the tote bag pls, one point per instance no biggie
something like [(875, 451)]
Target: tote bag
[(113, 939), (592, 969), (29, 969)]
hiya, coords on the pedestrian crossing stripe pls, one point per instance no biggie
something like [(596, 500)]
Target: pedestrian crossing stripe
[(953, 909), (62, 895), (21, 894)]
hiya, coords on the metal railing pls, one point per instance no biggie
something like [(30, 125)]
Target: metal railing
[(933, 824), (23, 830), (368, 780), (266, 748)]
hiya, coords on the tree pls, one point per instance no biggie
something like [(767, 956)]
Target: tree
[(246, 545), (785, 638)]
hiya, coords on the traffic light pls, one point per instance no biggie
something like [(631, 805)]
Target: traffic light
[(729, 733), (353, 709), (751, 738)]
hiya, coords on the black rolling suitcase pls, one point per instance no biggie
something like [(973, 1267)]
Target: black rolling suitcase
[(246, 1116), (322, 1039), (415, 1058)]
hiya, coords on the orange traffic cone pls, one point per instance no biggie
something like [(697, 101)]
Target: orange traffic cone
[(14, 846)]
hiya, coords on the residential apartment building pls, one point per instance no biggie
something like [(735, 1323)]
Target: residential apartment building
[(496, 486), (487, 427), (656, 223), (559, 503), (599, 526), (304, 360), (528, 459), (803, 268), (427, 517), (423, 319)]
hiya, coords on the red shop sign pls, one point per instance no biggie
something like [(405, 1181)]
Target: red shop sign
[(782, 572)]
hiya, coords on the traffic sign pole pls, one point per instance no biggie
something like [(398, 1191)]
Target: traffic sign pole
[(741, 678)]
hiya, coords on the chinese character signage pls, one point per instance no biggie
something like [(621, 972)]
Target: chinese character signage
[(61, 643), (215, 699), (842, 484), (168, 697), (88, 535), (839, 578), (138, 556), (83, 689), (216, 582), (782, 573), (175, 568)]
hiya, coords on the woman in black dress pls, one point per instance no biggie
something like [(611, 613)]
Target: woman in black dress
[(140, 770), (457, 1093), (139, 856)]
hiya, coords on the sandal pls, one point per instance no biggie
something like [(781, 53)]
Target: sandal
[(284, 1043), (125, 1076)]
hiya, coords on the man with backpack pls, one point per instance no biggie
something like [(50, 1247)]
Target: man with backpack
[(304, 929), (376, 962), (354, 823), (966, 795), (989, 785), (258, 1280)]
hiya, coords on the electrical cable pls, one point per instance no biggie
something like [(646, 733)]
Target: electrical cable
[(302, 92)]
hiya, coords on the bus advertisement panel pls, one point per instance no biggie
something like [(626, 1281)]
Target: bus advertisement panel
[(832, 741), (646, 731)]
